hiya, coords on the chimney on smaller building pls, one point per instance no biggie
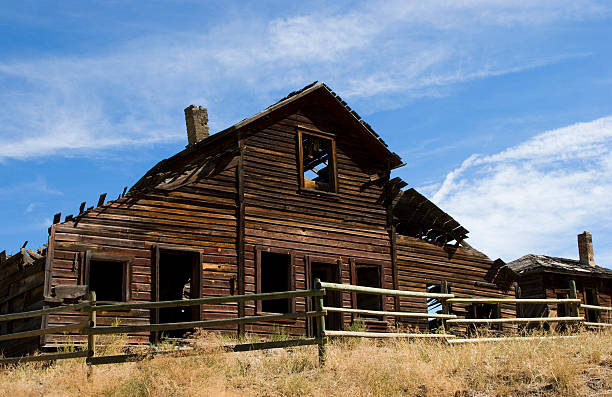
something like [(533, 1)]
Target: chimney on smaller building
[(585, 249), (196, 118)]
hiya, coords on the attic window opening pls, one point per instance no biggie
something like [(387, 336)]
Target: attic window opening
[(317, 155)]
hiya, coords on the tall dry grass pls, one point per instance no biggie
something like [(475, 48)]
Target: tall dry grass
[(564, 367)]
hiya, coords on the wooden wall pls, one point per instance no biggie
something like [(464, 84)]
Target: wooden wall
[(199, 216), (349, 227), (21, 289), (421, 263), (549, 285)]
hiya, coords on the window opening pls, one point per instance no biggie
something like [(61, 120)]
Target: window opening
[(108, 280), (485, 310), (275, 276), (317, 163), (368, 276), (178, 279), (434, 306)]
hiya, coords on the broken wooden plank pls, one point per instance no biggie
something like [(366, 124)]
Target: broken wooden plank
[(101, 199)]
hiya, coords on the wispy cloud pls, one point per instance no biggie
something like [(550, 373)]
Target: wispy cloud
[(526, 198), (36, 186), (134, 94)]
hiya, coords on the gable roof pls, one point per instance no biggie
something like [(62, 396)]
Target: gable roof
[(315, 90), (539, 263)]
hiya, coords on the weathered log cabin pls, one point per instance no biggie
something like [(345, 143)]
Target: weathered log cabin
[(541, 276), (299, 191)]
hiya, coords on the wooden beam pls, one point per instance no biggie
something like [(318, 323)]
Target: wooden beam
[(387, 313), (196, 324), (381, 291), (57, 217), (386, 335), (101, 199)]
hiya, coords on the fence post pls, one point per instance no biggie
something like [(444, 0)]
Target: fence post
[(91, 339), (573, 295), (320, 323), (445, 304), (574, 306)]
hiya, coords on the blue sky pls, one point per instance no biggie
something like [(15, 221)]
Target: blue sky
[(501, 109)]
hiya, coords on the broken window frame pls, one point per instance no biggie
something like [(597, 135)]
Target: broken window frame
[(290, 278), (432, 286), (126, 261), (333, 178)]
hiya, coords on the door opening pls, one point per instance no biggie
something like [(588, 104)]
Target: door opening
[(178, 278), (328, 272)]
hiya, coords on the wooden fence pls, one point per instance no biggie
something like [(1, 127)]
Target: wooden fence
[(91, 329)]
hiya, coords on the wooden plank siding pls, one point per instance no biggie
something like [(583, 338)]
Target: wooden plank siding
[(349, 227), (199, 216), (254, 203), (552, 285), (421, 263), (22, 290)]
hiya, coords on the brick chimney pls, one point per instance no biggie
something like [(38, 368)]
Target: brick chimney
[(585, 249), (196, 118)]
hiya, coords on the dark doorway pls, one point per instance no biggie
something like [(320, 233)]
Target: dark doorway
[(275, 276), (178, 277), (328, 272)]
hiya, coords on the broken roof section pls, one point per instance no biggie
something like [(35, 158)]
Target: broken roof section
[(541, 263), (315, 91), (417, 216)]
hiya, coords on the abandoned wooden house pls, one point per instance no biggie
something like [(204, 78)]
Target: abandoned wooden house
[(299, 191), (541, 276)]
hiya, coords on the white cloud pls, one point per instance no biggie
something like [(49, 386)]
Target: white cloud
[(134, 94), (536, 197)]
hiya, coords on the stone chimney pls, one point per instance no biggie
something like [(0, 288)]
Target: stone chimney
[(585, 249), (196, 118)]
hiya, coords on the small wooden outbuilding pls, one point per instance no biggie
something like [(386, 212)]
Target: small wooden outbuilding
[(541, 276)]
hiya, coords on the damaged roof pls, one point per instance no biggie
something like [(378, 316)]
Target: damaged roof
[(419, 217), (315, 88), (537, 263)]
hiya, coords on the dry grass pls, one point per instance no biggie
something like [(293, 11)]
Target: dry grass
[(578, 367)]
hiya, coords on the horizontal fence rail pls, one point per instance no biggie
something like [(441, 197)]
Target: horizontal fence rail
[(381, 291), (523, 301), (42, 312), (386, 334), (600, 308), (518, 320), (387, 313), (199, 324)]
